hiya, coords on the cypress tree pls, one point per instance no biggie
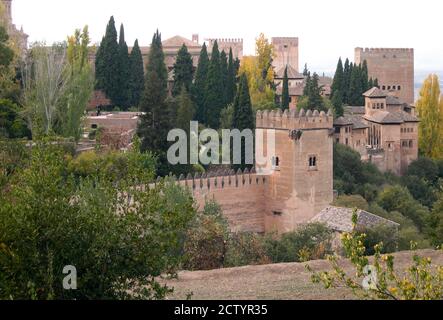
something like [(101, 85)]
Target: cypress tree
[(136, 76), (364, 77), (123, 68), (155, 123), (371, 83), (108, 63), (214, 90), (243, 117), (100, 67), (183, 71), (346, 81), (376, 83), (231, 79), (355, 87), (199, 88), (285, 91), (224, 75), (185, 110), (337, 89), (305, 70)]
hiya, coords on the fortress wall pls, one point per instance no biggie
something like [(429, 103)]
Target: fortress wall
[(241, 197)]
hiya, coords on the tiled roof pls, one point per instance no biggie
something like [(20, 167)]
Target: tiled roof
[(374, 93), (292, 73), (391, 100), (394, 117), (178, 41), (342, 121), (340, 219), (355, 110)]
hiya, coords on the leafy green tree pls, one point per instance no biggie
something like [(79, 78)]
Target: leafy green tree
[(49, 221), (12, 124), (6, 53), (183, 71), (79, 86), (313, 93), (285, 91), (155, 122), (136, 76), (108, 64), (398, 198), (231, 79), (214, 100), (199, 88)]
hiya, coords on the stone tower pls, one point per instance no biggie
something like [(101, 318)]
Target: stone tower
[(8, 10), (394, 69), (286, 51), (301, 184), (226, 44)]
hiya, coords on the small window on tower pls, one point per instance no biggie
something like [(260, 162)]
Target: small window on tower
[(399, 88), (313, 163)]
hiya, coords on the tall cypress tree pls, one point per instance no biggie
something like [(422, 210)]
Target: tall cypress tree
[(214, 90), (364, 77), (243, 117), (199, 88), (136, 76), (355, 87), (183, 71), (107, 64), (285, 91), (224, 75), (337, 89), (346, 81), (123, 69), (155, 123), (231, 79)]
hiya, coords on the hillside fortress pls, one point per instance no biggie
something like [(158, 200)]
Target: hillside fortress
[(300, 184)]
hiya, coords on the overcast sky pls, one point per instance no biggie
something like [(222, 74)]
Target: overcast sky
[(326, 29)]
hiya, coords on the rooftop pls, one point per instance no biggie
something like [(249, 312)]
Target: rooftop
[(340, 219), (393, 117), (375, 93)]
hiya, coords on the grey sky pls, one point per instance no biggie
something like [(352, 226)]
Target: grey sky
[(327, 28)]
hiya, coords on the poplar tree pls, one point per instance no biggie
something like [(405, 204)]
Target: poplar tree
[(365, 77), (199, 88), (430, 110), (231, 79), (183, 71), (214, 90), (155, 123), (285, 91), (136, 76)]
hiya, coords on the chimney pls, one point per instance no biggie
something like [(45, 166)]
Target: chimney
[(195, 38)]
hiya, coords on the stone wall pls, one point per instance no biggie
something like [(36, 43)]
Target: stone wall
[(286, 51), (394, 69)]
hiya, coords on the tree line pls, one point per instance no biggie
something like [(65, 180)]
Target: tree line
[(349, 84)]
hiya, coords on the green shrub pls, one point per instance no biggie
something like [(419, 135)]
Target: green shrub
[(311, 241), (246, 249)]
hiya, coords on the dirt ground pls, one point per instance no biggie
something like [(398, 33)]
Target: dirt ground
[(288, 281)]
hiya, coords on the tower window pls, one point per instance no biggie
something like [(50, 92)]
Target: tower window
[(398, 88), (275, 163), (312, 162)]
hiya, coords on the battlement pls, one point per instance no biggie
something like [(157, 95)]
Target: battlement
[(382, 50), (224, 40), (221, 180), (276, 119)]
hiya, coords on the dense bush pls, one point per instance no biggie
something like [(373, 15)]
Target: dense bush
[(118, 237), (246, 249), (382, 233), (311, 241)]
